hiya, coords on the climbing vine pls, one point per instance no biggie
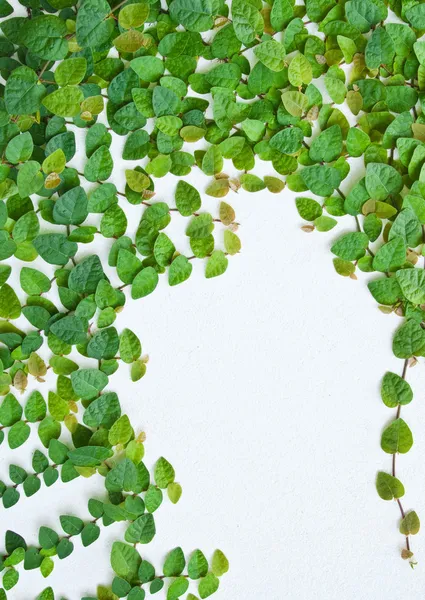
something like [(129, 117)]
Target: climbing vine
[(215, 87)]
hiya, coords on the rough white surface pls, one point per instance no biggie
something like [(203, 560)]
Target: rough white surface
[(263, 391)]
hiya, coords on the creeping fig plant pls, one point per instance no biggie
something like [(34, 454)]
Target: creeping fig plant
[(316, 89)]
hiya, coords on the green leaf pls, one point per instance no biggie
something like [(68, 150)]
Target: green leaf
[(308, 208), (351, 246), (321, 179), (395, 390), (200, 226), (327, 146), (295, 103), (232, 243), (35, 408), (281, 13), (216, 265), (148, 68), (272, 54), (94, 26), (136, 145), (380, 49), (397, 437), (47, 538), (18, 434), (136, 180), (64, 548), (412, 283), (71, 525), (220, 564), (357, 142), (55, 248), (408, 340), (300, 71), (335, 86), (142, 530), (10, 579), (121, 431), (208, 585), (72, 207), (197, 566), (54, 163), (128, 266), (194, 15), (85, 276), (45, 36), (144, 283), (407, 226), (23, 93), (180, 270), (104, 344), (71, 71), (64, 102), (390, 256), (287, 141), (10, 307), (125, 561), (30, 178), (99, 166), (90, 534), (70, 329), (382, 181), (174, 563), (416, 16), (153, 498), (48, 430), (10, 497), (130, 348), (164, 473), (174, 491), (247, 21), (20, 148), (389, 487), (87, 383), (410, 524), (34, 282), (146, 572), (188, 199), (133, 15), (212, 163), (163, 250), (178, 587), (103, 411), (89, 456)]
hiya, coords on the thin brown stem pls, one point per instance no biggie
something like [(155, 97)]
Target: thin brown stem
[(403, 514), (43, 69), (341, 193), (423, 240), (357, 223), (118, 6)]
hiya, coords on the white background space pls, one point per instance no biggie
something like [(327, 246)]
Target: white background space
[(262, 389)]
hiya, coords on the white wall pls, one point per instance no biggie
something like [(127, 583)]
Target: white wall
[(263, 391)]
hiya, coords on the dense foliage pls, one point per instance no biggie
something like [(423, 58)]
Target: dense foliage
[(192, 85)]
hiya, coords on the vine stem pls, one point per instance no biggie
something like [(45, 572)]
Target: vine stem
[(403, 514), (118, 6), (46, 64), (145, 203)]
